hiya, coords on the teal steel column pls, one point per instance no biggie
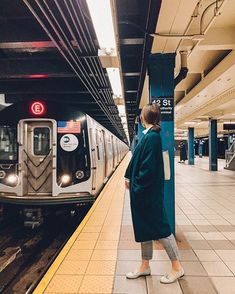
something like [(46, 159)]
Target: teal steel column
[(191, 146), (213, 161), (161, 78)]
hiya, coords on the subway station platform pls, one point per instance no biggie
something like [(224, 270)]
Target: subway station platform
[(102, 249)]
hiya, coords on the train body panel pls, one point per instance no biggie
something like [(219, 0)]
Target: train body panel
[(60, 157)]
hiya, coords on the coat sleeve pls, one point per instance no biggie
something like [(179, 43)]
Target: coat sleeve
[(151, 156), (128, 171)]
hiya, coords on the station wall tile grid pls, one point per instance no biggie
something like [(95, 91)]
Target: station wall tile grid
[(105, 250)]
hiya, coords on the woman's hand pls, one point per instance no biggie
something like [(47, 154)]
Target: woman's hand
[(127, 184)]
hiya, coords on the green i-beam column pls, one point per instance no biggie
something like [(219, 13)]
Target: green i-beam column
[(191, 146), (213, 161), (161, 79)]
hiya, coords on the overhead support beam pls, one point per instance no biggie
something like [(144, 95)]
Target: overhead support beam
[(27, 45), (214, 90), (221, 68), (131, 74), (178, 95), (67, 98), (218, 39), (32, 68), (34, 45), (43, 85), (192, 80), (132, 41)]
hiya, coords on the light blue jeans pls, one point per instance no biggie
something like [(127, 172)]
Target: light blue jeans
[(169, 245)]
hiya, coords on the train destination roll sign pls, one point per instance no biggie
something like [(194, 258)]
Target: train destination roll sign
[(167, 107)]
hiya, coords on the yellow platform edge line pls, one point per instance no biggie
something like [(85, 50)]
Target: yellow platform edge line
[(55, 265)]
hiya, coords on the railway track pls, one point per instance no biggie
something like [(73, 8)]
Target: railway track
[(27, 254)]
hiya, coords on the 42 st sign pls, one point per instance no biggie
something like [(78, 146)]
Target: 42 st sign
[(167, 107)]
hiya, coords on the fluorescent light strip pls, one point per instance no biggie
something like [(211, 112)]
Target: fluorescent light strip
[(101, 15), (115, 81)]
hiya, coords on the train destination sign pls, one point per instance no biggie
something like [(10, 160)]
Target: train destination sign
[(167, 107)]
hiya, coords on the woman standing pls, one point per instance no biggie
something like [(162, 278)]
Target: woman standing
[(145, 179)]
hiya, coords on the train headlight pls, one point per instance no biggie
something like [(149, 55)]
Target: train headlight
[(2, 174), (65, 179), (79, 174), (12, 179)]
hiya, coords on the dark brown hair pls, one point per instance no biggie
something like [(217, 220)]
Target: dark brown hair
[(152, 114)]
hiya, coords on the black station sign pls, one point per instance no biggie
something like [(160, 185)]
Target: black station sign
[(229, 127), (167, 107)]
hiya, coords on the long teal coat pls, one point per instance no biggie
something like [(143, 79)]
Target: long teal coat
[(146, 174)]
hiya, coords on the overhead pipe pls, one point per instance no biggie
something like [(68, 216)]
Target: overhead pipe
[(86, 61), (184, 68), (218, 9), (93, 61), (90, 85)]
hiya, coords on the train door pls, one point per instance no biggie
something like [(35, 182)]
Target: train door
[(100, 169), (113, 150), (118, 160), (105, 155), (36, 156)]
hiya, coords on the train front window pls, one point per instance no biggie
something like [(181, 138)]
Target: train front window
[(41, 141), (8, 143)]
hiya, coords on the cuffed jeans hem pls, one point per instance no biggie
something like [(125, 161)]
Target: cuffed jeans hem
[(169, 245)]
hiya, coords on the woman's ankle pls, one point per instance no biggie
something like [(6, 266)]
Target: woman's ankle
[(176, 266), (144, 265)]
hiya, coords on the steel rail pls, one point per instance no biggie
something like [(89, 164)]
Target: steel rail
[(81, 36), (95, 61), (85, 24), (72, 34), (92, 88), (58, 46), (81, 33)]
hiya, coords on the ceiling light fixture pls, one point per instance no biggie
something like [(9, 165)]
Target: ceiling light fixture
[(101, 15), (115, 81), (102, 18)]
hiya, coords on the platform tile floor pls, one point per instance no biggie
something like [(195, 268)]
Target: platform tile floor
[(205, 212), (205, 215)]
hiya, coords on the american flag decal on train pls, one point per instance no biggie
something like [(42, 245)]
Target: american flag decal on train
[(71, 127)]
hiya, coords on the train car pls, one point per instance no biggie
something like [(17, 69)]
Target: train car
[(53, 154)]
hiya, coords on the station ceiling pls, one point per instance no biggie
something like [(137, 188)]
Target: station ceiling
[(32, 66), (48, 50), (206, 30)]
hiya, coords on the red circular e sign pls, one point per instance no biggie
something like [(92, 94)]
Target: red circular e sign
[(37, 108)]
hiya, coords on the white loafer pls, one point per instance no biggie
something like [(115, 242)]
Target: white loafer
[(136, 274), (172, 277)]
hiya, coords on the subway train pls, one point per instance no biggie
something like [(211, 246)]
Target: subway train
[(53, 154)]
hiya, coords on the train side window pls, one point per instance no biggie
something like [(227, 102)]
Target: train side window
[(97, 136), (8, 145), (41, 141)]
